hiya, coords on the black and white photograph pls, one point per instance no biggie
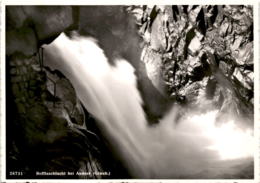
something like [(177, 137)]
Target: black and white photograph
[(129, 92)]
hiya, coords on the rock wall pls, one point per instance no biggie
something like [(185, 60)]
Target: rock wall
[(46, 124), (40, 120), (200, 54)]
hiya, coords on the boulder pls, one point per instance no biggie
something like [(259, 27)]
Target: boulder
[(30, 26), (49, 21)]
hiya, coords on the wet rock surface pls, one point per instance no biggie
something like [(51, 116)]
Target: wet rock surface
[(47, 127), (198, 45)]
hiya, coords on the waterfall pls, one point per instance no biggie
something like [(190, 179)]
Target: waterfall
[(166, 150)]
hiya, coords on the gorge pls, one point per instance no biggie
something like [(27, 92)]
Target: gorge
[(136, 104)]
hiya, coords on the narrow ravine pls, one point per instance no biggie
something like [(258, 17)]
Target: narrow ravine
[(193, 147)]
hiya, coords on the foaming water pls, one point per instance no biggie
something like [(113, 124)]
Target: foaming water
[(167, 150)]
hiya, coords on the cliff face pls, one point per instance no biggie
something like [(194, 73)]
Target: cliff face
[(46, 124), (46, 127), (200, 55)]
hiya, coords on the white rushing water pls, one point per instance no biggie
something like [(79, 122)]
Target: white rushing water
[(167, 150)]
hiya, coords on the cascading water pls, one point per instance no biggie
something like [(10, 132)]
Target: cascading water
[(167, 150)]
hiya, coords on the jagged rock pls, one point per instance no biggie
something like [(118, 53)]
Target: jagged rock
[(194, 67), (192, 31), (244, 55), (158, 39), (224, 28), (193, 14), (245, 78)]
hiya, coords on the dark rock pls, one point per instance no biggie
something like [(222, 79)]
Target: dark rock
[(61, 89), (49, 21), (13, 71), (45, 124), (23, 70), (21, 108), (30, 26), (225, 68), (12, 63), (32, 83), (16, 79), (15, 89), (16, 17), (22, 41)]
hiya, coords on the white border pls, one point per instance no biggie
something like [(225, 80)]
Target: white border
[(256, 89), (134, 2)]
